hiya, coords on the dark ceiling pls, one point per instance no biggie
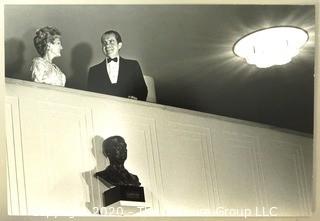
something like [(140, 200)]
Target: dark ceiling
[(203, 73), (187, 49)]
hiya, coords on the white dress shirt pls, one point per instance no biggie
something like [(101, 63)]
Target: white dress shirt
[(113, 70)]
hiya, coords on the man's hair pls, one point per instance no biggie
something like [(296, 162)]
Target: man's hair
[(116, 34)]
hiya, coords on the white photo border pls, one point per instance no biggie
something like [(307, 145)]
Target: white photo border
[(316, 154)]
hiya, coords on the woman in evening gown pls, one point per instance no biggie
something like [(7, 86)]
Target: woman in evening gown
[(48, 44)]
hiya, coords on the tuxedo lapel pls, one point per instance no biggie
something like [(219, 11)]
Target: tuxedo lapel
[(121, 66), (105, 72)]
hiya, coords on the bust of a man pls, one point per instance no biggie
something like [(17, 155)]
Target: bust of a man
[(115, 148)]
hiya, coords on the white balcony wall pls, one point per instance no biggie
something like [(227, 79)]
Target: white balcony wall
[(189, 163)]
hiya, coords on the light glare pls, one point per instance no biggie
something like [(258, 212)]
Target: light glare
[(272, 46)]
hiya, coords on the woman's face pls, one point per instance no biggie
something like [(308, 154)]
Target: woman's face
[(55, 48)]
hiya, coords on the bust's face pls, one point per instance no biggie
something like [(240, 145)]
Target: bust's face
[(117, 150), (121, 149)]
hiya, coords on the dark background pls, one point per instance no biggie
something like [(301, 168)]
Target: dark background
[(187, 49)]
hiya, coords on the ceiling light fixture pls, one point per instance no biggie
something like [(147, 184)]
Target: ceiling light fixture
[(271, 46)]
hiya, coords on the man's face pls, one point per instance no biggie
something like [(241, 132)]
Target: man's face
[(110, 46)]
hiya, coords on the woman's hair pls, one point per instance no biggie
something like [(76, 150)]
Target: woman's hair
[(43, 37)]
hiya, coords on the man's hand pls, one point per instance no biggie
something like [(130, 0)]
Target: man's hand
[(133, 97)]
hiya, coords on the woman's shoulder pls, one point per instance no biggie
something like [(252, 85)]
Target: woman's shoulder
[(39, 63), (38, 60)]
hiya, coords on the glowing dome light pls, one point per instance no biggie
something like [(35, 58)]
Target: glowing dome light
[(271, 46)]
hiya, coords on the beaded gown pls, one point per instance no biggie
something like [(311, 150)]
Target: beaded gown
[(46, 72)]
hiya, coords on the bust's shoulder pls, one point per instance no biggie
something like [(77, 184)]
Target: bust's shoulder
[(106, 172)]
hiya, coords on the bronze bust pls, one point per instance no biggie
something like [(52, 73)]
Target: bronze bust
[(115, 148)]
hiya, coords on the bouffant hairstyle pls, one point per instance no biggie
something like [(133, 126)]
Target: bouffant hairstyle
[(43, 37), (116, 34)]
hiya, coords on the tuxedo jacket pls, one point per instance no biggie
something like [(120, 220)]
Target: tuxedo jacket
[(130, 80)]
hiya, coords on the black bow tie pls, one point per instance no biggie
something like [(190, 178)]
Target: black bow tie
[(112, 59)]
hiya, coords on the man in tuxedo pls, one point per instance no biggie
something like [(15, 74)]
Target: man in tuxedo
[(116, 75)]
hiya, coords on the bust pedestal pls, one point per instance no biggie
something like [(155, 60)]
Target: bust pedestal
[(126, 193), (124, 200)]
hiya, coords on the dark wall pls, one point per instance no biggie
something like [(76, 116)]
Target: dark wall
[(81, 29), (187, 49)]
